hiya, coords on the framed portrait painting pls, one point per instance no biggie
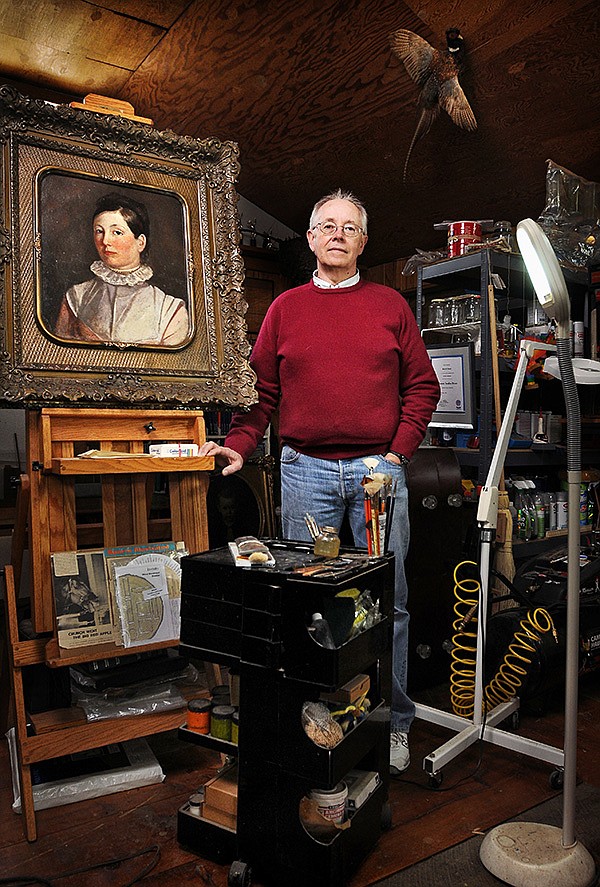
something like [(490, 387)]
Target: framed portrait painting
[(122, 275)]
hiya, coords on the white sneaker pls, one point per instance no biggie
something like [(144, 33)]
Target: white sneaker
[(399, 752)]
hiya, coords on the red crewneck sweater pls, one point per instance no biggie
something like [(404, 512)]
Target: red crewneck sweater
[(348, 370)]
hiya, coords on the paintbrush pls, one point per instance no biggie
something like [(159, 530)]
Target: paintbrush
[(313, 527), (392, 502), (368, 525)]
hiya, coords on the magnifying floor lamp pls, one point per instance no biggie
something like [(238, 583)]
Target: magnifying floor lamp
[(533, 854)]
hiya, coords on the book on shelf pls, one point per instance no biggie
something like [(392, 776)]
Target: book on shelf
[(129, 595)]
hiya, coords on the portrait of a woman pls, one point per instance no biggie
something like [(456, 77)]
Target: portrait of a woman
[(120, 304)]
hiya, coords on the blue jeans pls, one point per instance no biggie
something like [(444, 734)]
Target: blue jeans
[(327, 488)]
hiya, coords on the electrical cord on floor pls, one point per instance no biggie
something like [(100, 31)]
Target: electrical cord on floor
[(35, 879)]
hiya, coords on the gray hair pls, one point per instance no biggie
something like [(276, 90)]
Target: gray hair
[(339, 194)]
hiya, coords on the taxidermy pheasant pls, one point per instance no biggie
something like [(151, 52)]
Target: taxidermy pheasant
[(437, 75)]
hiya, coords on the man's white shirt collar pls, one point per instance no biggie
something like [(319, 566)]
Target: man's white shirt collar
[(324, 284)]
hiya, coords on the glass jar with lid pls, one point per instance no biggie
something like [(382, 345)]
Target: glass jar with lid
[(472, 308), (436, 312), (452, 312), (327, 543)]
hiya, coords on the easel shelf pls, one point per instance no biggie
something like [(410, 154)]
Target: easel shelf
[(130, 464), (59, 657)]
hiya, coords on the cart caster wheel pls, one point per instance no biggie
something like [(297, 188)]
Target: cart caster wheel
[(436, 779), (240, 875), (557, 778), (386, 817)]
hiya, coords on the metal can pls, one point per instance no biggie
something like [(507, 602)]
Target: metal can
[(461, 235)]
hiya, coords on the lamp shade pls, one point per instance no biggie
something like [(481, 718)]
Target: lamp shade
[(546, 275), (586, 372)]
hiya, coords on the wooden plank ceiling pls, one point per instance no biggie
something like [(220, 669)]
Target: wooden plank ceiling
[(315, 98)]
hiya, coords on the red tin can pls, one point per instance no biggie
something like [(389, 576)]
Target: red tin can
[(460, 235)]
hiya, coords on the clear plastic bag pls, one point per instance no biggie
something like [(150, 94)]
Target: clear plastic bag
[(571, 216), (421, 257), (130, 702), (144, 697)]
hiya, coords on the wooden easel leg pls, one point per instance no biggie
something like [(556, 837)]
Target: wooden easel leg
[(27, 804), (27, 807), (5, 688)]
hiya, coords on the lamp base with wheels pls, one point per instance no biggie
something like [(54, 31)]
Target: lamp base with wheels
[(530, 854)]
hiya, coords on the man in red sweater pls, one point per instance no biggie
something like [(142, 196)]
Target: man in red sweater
[(343, 361)]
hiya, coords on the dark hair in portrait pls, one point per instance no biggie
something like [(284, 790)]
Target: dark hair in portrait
[(67, 205), (134, 213), (233, 510)]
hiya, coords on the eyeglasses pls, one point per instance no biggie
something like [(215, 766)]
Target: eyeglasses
[(329, 229)]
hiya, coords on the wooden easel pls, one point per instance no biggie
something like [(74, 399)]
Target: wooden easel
[(47, 509)]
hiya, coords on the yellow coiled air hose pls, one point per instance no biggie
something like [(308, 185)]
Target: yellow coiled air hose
[(464, 643), (509, 676)]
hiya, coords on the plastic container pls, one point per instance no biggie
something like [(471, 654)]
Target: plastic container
[(321, 632), (583, 504), (198, 715), (331, 803), (562, 520), (578, 338), (235, 726), (553, 511), (195, 803), (221, 717)]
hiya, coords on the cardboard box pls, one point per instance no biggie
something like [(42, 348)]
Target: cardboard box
[(213, 814), (350, 692), (221, 792), (173, 450)]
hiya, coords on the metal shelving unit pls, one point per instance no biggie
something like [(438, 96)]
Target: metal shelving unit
[(506, 274)]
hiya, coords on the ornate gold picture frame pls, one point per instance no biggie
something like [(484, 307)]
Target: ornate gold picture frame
[(73, 330)]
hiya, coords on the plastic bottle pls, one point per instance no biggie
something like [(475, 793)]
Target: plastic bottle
[(321, 631), (531, 516), (583, 504), (520, 520), (553, 514), (591, 515), (562, 502), (540, 516)]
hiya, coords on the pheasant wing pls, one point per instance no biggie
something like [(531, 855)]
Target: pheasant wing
[(417, 55), (454, 101)]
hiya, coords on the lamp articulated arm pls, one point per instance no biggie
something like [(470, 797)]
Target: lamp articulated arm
[(487, 512)]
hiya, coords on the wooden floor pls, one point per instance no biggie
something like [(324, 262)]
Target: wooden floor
[(484, 786)]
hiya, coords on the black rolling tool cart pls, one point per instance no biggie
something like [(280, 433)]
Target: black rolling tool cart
[(257, 620)]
